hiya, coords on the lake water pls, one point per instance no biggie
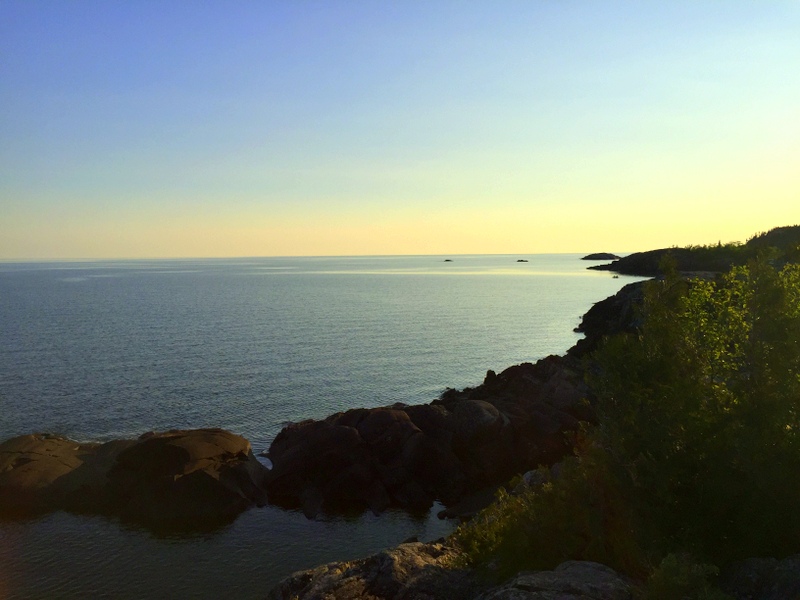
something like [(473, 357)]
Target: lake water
[(100, 350)]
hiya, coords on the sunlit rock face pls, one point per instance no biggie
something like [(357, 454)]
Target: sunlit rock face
[(178, 479)]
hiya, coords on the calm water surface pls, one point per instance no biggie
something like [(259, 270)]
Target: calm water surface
[(113, 349)]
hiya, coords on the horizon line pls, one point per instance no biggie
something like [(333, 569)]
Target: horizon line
[(275, 256)]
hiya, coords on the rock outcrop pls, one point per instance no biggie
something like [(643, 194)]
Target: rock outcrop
[(426, 571), (408, 571), (616, 314), (572, 580), (409, 456), (178, 479)]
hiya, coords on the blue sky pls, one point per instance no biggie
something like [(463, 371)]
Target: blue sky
[(310, 128)]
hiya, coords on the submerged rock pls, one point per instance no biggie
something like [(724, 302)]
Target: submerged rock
[(177, 479)]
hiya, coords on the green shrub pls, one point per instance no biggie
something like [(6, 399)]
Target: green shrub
[(580, 515), (679, 577), (701, 412)]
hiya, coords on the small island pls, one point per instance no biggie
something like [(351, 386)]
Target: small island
[(600, 256)]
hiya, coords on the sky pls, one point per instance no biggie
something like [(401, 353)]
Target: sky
[(288, 128)]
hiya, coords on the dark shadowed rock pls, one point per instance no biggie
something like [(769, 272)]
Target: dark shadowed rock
[(409, 456), (182, 478), (572, 580), (762, 579), (470, 505), (434, 466), (386, 431), (475, 421), (41, 472), (185, 479), (616, 314), (433, 420)]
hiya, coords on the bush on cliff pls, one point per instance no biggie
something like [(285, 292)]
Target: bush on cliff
[(698, 446), (580, 514)]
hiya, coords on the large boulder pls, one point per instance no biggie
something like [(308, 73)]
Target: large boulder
[(474, 422), (185, 479), (434, 467), (309, 453), (386, 430), (340, 464)]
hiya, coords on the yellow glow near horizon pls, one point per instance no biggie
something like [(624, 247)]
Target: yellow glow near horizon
[(622, 224), (549, 130)]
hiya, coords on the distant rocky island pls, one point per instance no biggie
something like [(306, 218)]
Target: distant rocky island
[(600, 256)]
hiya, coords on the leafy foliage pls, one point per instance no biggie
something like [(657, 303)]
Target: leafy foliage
[(697, 448), (679, 576), (700, 411), (782, 244), (577, 515)]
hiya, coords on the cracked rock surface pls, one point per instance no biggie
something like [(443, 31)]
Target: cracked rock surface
[(409, 571)]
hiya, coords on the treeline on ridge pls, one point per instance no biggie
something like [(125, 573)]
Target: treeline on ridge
[(782, 243)]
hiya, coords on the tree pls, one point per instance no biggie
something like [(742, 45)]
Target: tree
[(699, 413)]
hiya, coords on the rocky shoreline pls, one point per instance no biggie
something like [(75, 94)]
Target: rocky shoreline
[(457, 449), (425, 571), (449, 450), (417, 571)]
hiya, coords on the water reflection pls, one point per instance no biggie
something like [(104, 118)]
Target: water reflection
[(69, 556)]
